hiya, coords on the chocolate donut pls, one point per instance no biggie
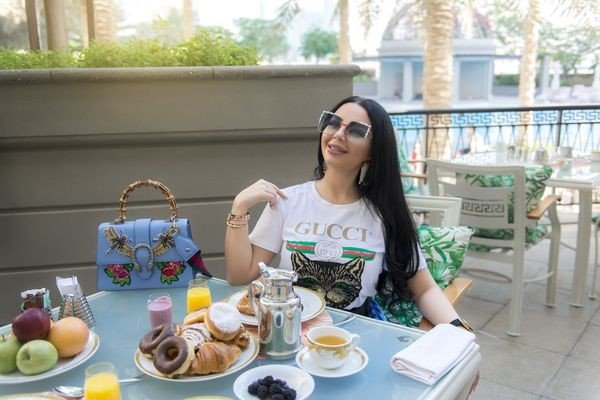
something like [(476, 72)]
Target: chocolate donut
[(152, 339), (174, 356)]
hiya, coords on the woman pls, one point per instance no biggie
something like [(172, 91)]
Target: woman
[(340, 231)]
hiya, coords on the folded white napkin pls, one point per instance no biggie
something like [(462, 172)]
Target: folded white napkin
[(434, 353)]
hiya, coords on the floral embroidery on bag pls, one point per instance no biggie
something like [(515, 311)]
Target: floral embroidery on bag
[(120, 273), (170, 271)]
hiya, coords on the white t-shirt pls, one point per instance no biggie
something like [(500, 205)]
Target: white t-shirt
[(336, 249)]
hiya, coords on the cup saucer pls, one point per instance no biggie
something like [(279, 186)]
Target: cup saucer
[(357, 360)]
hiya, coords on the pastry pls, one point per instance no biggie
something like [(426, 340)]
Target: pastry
[(223, 321), (198, 334), (195, 317), (173, 356), (214, 357), (155, 336), (244, 306)]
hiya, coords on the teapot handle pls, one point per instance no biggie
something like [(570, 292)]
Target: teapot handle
[(255, 290)]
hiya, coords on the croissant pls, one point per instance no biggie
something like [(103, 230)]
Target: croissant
[(214, 357)]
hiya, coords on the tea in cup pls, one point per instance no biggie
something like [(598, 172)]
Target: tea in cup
[(329, 346)]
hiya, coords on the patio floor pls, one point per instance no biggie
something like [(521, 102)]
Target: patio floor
[(557, 355)]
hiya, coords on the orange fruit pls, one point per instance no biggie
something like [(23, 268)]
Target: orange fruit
[(69, 335)]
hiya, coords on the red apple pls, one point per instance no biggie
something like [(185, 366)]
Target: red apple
[(33, 323)]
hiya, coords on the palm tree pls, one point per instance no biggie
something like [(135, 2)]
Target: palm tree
[(368, 11), (529, 53), (344, 49), (437, 56)]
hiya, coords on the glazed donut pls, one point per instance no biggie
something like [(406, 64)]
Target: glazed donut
[(152, 339), (174, 356), (223, 321)]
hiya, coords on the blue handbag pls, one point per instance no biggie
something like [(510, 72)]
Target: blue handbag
[(146, 253)]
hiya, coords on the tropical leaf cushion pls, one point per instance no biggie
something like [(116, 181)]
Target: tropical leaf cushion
[(444, 250), (535, 184)]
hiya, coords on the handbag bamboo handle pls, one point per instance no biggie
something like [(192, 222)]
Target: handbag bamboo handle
[(150, 183)]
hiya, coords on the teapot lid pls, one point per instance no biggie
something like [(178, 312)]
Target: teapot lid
[(271, 274)]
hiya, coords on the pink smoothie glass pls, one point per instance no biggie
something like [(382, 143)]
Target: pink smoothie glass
[(160, 309)]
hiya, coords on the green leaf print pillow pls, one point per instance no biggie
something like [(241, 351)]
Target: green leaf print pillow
[(535, 184), (444, 250)]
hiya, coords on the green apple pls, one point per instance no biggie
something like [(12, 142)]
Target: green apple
[(9, 346), (36, 356)]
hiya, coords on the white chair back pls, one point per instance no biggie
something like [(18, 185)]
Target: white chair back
[(445, 211)]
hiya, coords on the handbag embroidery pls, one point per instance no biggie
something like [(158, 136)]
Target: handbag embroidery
[(120, 273)]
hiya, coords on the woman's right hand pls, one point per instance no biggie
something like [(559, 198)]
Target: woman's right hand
[(260, 190)]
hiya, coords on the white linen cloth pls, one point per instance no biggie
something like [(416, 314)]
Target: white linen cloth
[(434, 354)]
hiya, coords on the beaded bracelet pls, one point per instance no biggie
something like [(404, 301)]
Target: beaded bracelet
[(237, 221)]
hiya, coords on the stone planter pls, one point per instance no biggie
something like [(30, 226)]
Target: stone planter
[(71, 140)]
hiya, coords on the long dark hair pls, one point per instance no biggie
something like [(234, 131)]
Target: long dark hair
[(382, 187)]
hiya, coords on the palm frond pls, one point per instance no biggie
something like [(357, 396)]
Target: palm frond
[(369, 11), (286, 12)]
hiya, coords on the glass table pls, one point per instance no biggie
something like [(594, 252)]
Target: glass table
[(122, 320), (577, 174)]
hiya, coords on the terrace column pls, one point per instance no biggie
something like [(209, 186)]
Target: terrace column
[(407, 81)]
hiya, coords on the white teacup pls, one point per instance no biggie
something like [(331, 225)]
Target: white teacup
[(329, 346)]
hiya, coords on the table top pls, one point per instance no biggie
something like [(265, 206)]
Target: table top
[(575, 173), (121, 320)]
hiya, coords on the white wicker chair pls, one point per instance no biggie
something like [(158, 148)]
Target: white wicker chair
[(488, 208)]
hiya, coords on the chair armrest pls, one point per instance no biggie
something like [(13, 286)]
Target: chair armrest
[(454, 292), (457, 289), (543, 206), (413, 175)]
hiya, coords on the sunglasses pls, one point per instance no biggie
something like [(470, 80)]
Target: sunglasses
[(355, 131)]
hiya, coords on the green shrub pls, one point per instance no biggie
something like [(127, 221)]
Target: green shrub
[(210, 47), (136, 53), (207, 47), (506, 80), (15, 59)]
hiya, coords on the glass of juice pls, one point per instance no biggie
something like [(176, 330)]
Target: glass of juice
[(160, 309), (101, 382), (198, 294)]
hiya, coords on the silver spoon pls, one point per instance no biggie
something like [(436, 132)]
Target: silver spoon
[(75, 392)]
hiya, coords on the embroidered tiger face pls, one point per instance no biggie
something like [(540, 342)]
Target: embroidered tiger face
[(339, 284)]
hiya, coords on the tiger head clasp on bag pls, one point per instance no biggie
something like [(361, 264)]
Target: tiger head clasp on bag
[(121, 244)]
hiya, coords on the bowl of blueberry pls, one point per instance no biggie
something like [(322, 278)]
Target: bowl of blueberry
[(274, 382)]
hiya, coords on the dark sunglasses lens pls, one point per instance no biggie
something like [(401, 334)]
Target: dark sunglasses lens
[(329, 123), (357, 130)]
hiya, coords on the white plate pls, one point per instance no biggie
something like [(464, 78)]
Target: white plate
[(312, 302), (357, 360), (32, 396), (63, 365), (300, 381), (248, 355)]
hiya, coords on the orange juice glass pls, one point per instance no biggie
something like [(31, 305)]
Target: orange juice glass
[(198, 294), (101, 382)]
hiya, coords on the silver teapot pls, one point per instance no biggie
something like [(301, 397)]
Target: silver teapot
[(278, 311)]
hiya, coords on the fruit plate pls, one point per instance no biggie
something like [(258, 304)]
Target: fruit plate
[(313, 304), (248, 355), (63, 364)]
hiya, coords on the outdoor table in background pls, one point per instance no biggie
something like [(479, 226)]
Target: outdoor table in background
[(122, 320), (577, 174)]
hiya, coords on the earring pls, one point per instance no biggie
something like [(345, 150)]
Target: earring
[(363, 172)]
